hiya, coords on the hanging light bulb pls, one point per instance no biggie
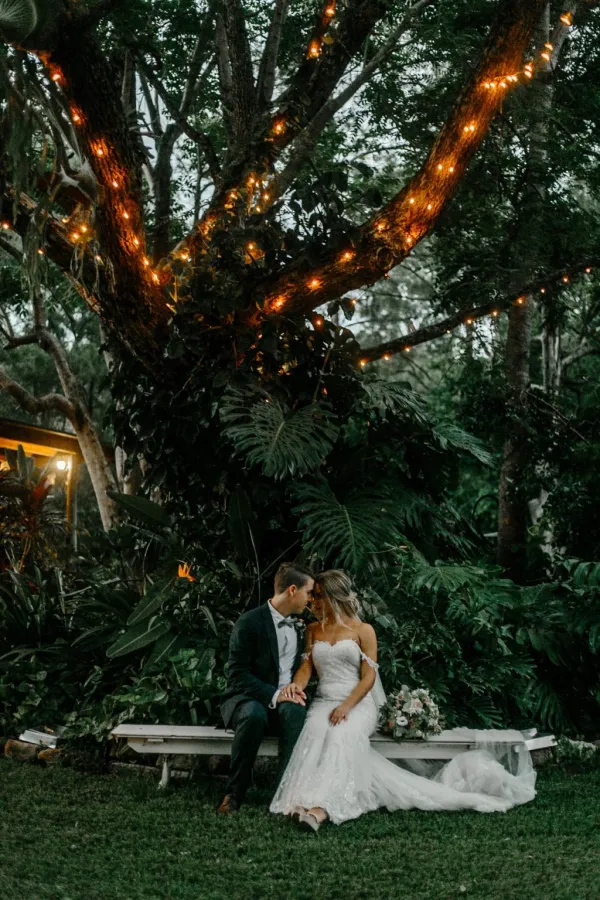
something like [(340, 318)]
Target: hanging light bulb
[(567, 19)]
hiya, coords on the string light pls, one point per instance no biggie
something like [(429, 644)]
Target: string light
[(314, 283), (40, 251), (319, 321), (6, 226), (347, 255), (314, 49), (330, 11), (567, 19)]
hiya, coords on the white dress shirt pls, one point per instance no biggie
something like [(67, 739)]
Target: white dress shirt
[(287, 644)]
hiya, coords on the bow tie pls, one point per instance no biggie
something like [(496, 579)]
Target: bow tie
[(290, 622)]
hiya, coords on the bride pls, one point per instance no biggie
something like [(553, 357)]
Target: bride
[(333, 772)]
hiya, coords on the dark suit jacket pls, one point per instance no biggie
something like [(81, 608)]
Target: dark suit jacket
[(253, 661)]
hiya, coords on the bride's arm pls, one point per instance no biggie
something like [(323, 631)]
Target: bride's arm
[(302, 676), (368, 645)]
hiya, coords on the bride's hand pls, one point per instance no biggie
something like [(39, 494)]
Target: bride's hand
[(339, 714), (292, 693)]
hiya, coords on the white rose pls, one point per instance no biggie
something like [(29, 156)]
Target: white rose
[(402, 720)]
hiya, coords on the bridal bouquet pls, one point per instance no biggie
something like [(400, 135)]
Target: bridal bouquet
[(410, 714)]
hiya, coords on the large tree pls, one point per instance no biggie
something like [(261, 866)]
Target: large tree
[(233, 297)]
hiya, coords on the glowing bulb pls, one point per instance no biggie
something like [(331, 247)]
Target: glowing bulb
[(542, 290), (125, 214), (407, 349), (75, 236), (430, 206), (549, 46), (136, 241), (520, 300), (440, 167), (451, 169), (115, 183), (40, 251), (155, 277), (363, 363), (279, 126), (319, 321), (314, 283), (587, 271), (347, 256), (61, 464), (567, 19), (314, 49), (98, 258), (495, 312), (56, 77), (330, 11), (566, 279), (380, 226), (409, 240), (83, 228), (545, 55), (99, 151), (266, 197), (76, 118), (411, 200), (5, 226), (468, 321), (146, 261), (386, 356), (278, 303)]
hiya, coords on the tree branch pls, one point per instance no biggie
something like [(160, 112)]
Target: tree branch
[(203, 140), (35, 405), (469, 315), (243, 95), (306, 140), (390, 236), (268, 63)]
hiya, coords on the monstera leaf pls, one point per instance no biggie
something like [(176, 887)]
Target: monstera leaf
[(346, 532), (270, 435)]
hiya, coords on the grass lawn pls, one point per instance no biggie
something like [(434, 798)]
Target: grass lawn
[(68, 836)]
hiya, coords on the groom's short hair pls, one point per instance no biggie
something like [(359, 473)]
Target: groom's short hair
[(290, 573)]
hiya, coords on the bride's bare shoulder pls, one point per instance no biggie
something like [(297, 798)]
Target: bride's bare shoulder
[(366, 632)]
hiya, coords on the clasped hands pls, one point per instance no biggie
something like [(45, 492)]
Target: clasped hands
[(292, 693)]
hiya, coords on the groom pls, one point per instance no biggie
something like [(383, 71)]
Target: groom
[(264, 652)]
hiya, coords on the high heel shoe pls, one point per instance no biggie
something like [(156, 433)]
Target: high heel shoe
[(308, 822)]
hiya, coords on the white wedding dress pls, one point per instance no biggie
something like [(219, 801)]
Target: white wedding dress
[(334, 766)]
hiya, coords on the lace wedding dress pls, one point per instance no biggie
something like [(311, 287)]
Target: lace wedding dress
[(335, 767)]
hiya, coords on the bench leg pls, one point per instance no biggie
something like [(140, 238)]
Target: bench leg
[(166, 773)]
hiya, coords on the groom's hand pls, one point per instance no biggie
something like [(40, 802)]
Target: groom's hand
[(291, 693)]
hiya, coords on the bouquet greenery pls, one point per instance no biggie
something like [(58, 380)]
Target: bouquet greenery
[(410, 715)]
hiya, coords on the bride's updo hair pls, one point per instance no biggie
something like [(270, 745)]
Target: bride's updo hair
[(336, 587)]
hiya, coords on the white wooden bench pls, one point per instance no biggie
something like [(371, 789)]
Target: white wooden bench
[(204, 740)]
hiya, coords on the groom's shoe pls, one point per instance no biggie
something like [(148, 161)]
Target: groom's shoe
[(227, 805)]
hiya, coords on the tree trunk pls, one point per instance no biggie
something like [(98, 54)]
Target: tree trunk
[(513, 507), (98, 468)]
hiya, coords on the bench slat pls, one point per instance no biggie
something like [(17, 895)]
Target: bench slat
[(205, 740)]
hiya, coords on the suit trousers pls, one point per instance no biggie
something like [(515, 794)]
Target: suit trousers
[(251, 721)]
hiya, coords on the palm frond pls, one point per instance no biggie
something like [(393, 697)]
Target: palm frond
[(449, 435), (268, 434), (382, 397), (346, 532)]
